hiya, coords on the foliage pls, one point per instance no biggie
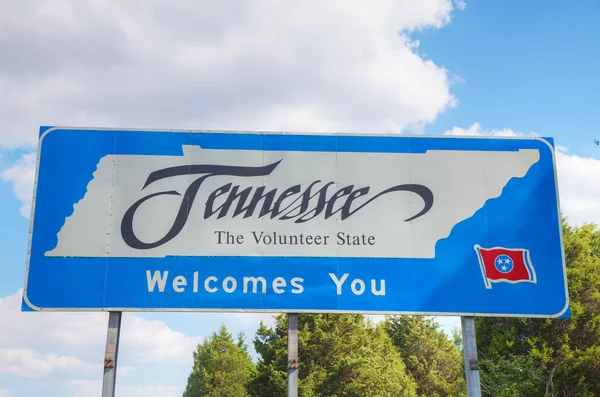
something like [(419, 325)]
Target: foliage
[(339, 355), (560, 357), (434, 361), (221, 368), (502, 377)]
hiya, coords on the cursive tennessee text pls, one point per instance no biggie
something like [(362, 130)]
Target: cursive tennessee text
[(297, 203)]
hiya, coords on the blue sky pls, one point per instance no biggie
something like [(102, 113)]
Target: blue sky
[(503, 68), (524, 65)]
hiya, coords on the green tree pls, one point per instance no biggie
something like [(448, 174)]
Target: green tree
[(434, 361), (561, 357), (509, 377), (339, 356), (221, 368)]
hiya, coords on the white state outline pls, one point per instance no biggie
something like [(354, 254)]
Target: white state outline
[(526, 259), (49, 129)]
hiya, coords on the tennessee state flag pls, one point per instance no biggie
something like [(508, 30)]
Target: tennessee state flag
[(500, 264)]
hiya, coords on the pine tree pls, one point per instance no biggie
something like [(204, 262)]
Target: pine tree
[(221, 368), (434, 361), (339, 356), (559, 357)]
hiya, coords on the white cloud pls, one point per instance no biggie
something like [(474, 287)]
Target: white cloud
[(5, 393), (152, 341), (215, 65), (461, 4), (579, 195), (28, 363), (85, 388), (476, 130), (268, 65), (254, 319), (578, 187), (81, 336), (21, 175)]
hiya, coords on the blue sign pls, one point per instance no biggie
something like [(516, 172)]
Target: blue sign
[(133, 220)]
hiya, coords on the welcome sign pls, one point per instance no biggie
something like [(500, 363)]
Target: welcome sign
[(281, 222)]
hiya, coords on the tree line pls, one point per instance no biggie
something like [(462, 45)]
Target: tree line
[(349, 355)]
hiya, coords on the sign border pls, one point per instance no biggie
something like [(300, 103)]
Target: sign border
[(45, 130)]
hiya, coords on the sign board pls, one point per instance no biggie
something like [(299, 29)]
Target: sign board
[(131, 220)]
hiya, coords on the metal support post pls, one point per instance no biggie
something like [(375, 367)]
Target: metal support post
[(470, 353), (292, 355), (110, 357)]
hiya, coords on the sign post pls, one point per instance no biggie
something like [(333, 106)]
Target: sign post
[(230, 221), (292, 355), (112, 351), (470, 356)]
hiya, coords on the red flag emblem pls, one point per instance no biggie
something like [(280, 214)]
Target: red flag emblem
[(500, 264)]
